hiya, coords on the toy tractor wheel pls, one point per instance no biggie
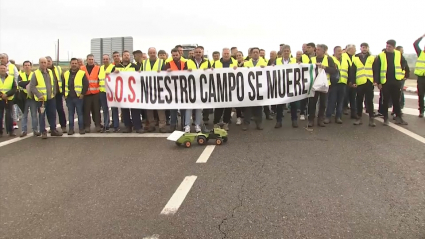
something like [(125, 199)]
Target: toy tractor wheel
[(187, 144), (225, 139), (219, 141), (202, 140), (178, 144)]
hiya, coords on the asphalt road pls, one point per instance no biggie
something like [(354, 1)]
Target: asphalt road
[(342, 181)]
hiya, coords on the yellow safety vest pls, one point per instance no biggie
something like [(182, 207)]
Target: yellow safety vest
[(58, 72), (261, 62), (337, 63), (102, 76), (25, 78), (171, 58), (399, 75), (218, 64), (11, 70), (7, 85), (364, 72), (129, 67), (279, 61), (420, 65), (325, 63), (78, 82), (343, 66), (41, 84), (191, 64), (157, 66), (305, 59)]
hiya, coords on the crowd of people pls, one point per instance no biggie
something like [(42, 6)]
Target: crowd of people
[(351, 77)]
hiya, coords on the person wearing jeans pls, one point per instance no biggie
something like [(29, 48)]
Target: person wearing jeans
[(42, 85), (335, 101), (105, 69), (225, 62), (57, 74), (30, 103), (75, 104), (76, 85), (197, 62)]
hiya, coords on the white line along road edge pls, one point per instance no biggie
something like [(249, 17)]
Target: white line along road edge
[(407, 111), (203, 158), (405, 131), (13, 140), (178, 197)]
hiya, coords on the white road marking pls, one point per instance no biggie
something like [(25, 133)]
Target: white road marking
[(178, 197), (206, 154), (117, 135), (404, 131), (17, 139), (406, 96), (407, 111), (155, 236)]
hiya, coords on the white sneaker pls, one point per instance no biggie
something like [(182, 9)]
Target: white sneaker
[(302, 117), (198, 129), (187, 129), (16, 127), (238, 121)]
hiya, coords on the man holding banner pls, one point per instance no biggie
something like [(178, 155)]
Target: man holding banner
[(134, 120), (254, 61), (198, 62), (293, 105), (226, 113), (177, 64), (154, 64)]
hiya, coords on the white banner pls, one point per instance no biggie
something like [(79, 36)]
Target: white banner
[(217, 88)]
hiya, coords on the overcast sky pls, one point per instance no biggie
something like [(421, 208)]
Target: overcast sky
[(29, 29)]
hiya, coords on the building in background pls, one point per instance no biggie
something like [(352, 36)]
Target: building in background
[(100, 46)]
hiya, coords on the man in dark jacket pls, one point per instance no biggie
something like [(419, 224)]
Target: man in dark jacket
[(390, 83)]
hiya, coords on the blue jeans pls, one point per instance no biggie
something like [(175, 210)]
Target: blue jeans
[(105, 108), (173, 116), (50, 112), (30, 104), (188, 115), (294, 109), (73, 104), (336, 97)]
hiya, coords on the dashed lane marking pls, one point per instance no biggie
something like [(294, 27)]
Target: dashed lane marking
[(178, 197), (203, 158)]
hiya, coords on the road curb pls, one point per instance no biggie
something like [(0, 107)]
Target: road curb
[(410, 89)]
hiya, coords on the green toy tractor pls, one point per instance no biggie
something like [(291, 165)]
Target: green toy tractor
[(219, 135)]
